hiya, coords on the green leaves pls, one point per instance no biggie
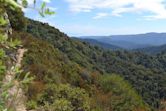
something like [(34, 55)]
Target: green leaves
[(63, 105), (13, 43), (123, 96), (43, 5), (12, 3), (2, 68), (64, 97), (48, 12), (27, 79), (24, 3), (44, 10), (2, 21), (2, 53)]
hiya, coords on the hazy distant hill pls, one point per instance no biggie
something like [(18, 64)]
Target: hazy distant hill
[(133, 41)]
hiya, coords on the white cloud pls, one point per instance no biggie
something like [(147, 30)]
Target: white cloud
[(156, 9), (100, 15)]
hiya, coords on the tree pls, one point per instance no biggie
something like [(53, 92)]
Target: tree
[(122, 96)]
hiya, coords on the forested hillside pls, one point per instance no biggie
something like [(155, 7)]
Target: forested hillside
[(153, 50), (145, 73), (70, 75), (100, 44), (84, 88)]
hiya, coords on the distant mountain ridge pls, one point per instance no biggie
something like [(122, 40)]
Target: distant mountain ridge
[(130, 42)]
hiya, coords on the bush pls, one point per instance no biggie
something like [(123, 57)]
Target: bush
[(65, 98), (123, 96), (31, 105)]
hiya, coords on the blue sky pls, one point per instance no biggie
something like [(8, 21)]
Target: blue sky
[(105, 17)]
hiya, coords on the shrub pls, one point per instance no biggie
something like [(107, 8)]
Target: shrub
[(31, 104), (65, 98), (123, 96)]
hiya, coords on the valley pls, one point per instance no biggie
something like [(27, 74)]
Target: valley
[(43, 68)]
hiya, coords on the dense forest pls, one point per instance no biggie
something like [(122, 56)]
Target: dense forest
[(153, 50), (146, 73), (70, 75)]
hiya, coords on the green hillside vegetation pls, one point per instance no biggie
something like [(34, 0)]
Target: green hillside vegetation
[(122, 91), (146, 73), (100, 44), (56, 77), (153, 50), (75, 76)]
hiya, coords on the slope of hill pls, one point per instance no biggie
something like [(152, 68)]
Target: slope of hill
[(100, 44), (153, 50), (53, 69), (78, 75), (70, 75), (144, 72)]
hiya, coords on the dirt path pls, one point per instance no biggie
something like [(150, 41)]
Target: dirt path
[(16, 94)]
